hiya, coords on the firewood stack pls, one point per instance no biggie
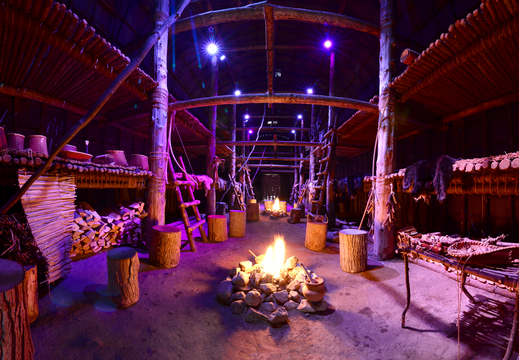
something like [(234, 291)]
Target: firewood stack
[(117, 225)]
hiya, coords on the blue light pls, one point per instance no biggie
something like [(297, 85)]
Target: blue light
[(327, 44), (309, 91), (237, 93), (222, 58), (299, 116), (212, 48)]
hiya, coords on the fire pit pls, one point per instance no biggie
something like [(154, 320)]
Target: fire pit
[(266, 290), (276, 212)]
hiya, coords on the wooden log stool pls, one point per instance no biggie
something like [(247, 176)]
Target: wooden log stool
[(30, 284), (268, 204), (253, 210), (123, 279), (220, 208), (316, 233), (353, 250), (15, 332), (217, 226), (302, 207), (165, 246), (295, 216), (237, 223)]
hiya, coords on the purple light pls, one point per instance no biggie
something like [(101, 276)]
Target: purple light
[(247, 116), (299, 116), (212, 48), (222, 58), (327, 44), (250, 131), (293, 131), (309, 91), (237, 93)]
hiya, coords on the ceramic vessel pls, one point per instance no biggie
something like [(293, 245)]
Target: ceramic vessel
[(314, 291), (139, 161), (38, 143), (119, 157), (69, 147), (3, 139), (15, 141), (104, 159)]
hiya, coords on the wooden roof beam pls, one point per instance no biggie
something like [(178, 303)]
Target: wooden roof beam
[(275, 99), (269, 42), (256, 12)]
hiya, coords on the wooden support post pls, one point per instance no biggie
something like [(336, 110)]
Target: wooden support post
[(313, 130), (158, 159), (165, 246), (233, 154), (211, 140), (330, 192), (15, 332), (316, 233), (30, 284), (384, 238), (237, 223), (123, 280)]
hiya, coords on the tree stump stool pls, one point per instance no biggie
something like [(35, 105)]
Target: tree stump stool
[(165, 246), (295, 216), (217, 226), (302, 207), (268, 204), (30, 284), (283, 206), (253, 210), (220, 208), (353, 250), (315, 238), (237, 223), (123, 279), (15, 332)]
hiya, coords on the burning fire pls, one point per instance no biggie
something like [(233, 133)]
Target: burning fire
[(275, 207), (275, 257)]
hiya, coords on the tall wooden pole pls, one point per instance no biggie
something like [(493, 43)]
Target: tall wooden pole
[(233, 148), (330, 193), (384, 238), (211, 141), (301, 172), (313, 130), (159, 126)]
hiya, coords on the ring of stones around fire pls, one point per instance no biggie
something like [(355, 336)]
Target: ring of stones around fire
[(259, 296)]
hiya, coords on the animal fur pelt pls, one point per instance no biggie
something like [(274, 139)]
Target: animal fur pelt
[(427, 176), (203, 181)]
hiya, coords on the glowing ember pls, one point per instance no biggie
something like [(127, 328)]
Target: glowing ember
[(275, 207), (275, 257)]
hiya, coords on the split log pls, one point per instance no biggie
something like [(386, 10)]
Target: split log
[(237, 223), (165, 246), (354, 250), (15, 332), (268, 204), (283, 206), (253, 211), (315, 238), (30, 284), (217, 226), (302, 207), (408, 56), (123, 280)]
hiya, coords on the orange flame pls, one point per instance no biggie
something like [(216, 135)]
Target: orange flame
[(275, 257), (275, 207)]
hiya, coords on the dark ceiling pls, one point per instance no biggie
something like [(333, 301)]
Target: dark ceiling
[(126, 22)]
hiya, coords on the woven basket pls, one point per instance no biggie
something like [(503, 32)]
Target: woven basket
[(476, 252)]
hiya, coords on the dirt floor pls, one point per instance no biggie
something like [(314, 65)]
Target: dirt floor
[(178, 317)]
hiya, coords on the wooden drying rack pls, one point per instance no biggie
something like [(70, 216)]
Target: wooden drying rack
[(501, 280)]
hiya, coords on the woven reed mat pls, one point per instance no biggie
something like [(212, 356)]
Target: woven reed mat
[(49, 206)]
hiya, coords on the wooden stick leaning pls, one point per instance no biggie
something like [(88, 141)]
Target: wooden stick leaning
[(152, 39)]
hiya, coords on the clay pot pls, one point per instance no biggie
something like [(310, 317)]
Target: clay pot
[(314, 291), (119, 157), (15, 141), (104, 159), (139, 161), (38, 143), (3, 139)]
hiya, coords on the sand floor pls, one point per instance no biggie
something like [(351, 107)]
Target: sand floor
[(178, 317)]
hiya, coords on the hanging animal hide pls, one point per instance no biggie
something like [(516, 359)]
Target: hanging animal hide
[(427, 176)]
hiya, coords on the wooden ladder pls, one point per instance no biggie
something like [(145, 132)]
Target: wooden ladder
[(322, 176), (248, 181), (238, 195), (302, 192), (193, 203)]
